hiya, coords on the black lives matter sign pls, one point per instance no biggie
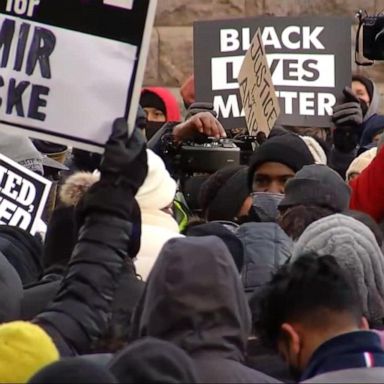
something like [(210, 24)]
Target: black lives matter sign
[(68, 68), (309, 59), (23, 195)]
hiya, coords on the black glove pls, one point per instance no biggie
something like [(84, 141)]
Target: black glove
[(348, 114), (123, 170), (196, 108)]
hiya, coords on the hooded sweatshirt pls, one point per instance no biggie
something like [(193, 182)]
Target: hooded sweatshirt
[(194, 299), (355, 248), (172, 112)]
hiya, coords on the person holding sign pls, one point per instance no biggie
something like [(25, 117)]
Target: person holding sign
[(109, 219)]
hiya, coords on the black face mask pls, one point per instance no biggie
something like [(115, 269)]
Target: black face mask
[(364, 107), (152, 128)]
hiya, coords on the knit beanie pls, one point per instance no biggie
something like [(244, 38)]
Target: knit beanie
[(162, 99), (366, 82), (317, 185), (25, 348), (288, 149), (316, 150), (151, 100), (151, 360), (159, 189), (73, 370), (223, 193), (360, 163)]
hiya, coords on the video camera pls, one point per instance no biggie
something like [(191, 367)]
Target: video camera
[(210, 155), (372, 40)]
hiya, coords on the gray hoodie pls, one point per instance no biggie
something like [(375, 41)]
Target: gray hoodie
[(194, 298), (355, 248)]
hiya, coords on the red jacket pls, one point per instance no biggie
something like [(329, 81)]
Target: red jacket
[(368, 189)]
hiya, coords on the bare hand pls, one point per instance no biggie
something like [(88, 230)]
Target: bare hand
[(204, 123)]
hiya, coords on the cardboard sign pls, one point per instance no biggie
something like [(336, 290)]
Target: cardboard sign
[(309, 59), (69, 68), (23, 195), (257, 92)]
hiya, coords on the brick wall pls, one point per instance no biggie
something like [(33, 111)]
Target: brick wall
[(170, 59)]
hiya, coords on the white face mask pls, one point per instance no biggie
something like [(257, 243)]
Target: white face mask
[(265, 204)]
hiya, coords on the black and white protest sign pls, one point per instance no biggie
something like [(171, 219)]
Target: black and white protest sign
[(309, 59), (23, 195), (69, 68)]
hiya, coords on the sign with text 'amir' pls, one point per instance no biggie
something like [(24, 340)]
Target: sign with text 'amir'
[(309, 58), (68, 68), (23, 195)]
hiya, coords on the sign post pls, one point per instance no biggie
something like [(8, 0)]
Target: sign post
[(69, 68)]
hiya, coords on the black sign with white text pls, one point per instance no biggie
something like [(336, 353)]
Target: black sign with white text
[(309, 59)]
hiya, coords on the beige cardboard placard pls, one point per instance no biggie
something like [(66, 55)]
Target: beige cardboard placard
[(257, 92)]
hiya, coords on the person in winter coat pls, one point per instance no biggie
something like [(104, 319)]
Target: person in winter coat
[(160, 106), (273, 163), (355, 249), (360, 163), (312, 314), (368, 189), (225, 195), (109, 219), (351, 118), (23, 251), (371, 134), (155, 199), (194, 299)]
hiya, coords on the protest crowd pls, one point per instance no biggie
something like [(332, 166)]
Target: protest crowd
[(153, 262)]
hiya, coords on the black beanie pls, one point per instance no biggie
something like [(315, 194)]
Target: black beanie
[(289, 149), (368, 84), (224, 192), (151, 100)]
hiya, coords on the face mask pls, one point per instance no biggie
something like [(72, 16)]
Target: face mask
[(152, 128), (264, 205), (364, 107)]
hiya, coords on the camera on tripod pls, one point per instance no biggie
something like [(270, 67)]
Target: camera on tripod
[(372, 39)]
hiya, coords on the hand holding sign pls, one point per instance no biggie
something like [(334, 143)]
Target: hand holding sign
[(257, 91), (123, 170), (349, 113)]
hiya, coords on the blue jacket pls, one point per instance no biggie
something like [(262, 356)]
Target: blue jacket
[(360, 349)]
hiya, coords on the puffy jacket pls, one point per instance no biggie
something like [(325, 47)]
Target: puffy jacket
[(80, 312), (266, 248), (368, 189)]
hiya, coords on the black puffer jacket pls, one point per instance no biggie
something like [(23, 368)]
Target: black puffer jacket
[(194, 298), (80, 311)]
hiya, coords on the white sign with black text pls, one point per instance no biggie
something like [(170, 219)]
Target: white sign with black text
[(23, 195), (66, 76)]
